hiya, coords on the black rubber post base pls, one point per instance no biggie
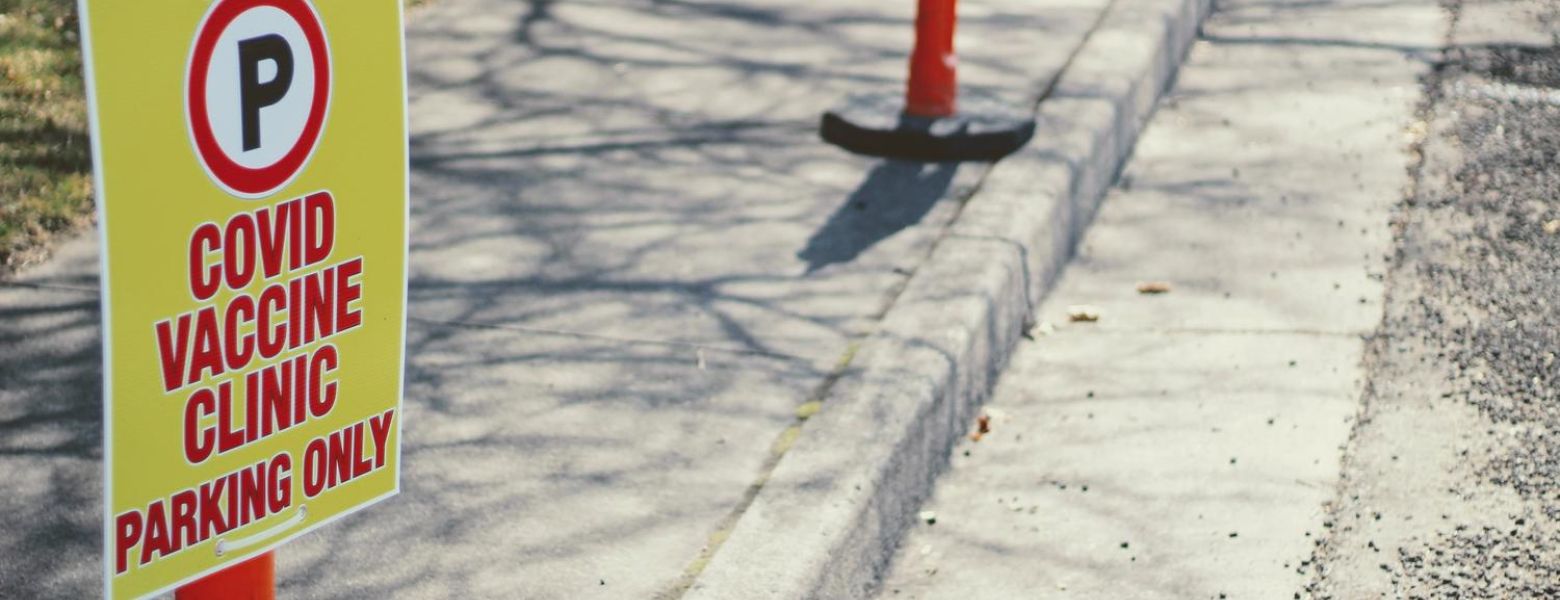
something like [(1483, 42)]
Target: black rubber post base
[(984, 129)]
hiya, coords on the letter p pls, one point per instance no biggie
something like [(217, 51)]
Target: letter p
[(255, 94), (127, 529)]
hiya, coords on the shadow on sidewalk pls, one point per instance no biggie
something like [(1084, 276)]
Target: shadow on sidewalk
[(895, 195)]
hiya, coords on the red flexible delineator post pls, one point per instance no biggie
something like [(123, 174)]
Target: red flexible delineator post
[(933, 87), (253, 579)]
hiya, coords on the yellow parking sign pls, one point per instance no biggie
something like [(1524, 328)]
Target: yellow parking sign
[(251, 166)]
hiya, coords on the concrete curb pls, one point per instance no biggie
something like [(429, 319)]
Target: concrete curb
[(833, 510)]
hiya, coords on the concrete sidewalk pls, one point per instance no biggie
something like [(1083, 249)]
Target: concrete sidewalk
[(632, 264), (1186, 444)]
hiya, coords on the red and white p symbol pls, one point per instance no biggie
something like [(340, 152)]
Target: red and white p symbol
[(257, 92)]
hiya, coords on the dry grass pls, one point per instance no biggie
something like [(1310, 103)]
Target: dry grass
[(45, 158)]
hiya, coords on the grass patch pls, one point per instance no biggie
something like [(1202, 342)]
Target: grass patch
[(45, 157)]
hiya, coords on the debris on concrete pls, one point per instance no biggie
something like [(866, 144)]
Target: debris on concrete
[(1083, 313), (1153, 287), (982, 427)]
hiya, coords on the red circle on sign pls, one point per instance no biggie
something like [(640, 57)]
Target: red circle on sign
[(236, 178)]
